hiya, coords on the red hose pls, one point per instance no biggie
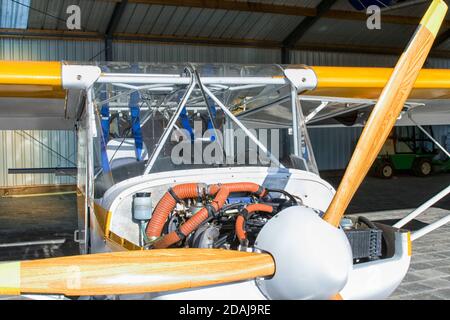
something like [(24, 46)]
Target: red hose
[(240, 220), (194, 222), (167, 204), (240, 187)]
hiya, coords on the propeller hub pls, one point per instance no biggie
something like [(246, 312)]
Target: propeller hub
[(312, 258)]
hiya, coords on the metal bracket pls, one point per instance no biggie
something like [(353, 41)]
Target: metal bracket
[(301, 79), (79, 77), (78, 236)]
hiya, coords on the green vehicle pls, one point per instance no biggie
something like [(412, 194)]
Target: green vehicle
[(410, 150)]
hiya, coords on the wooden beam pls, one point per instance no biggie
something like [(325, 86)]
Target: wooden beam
[(345, 48), (278, 9), (51, 34), (128, 37), (248, 43), (36, 189), (361, 16), (243, 43), (234, 6)]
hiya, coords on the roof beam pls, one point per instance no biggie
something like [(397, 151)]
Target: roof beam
[(377, 50), (119, 8), (249, 43), (128, 37), (279, 9), (264, 44), (303, 27), (51, 34), (234, 5)]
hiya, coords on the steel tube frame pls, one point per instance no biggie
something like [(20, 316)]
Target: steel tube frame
[(316, 111), (429, 136), (431, 227), (430, 202), (422, 208), (150, 79), (169, 128), (294, 119), (239, 123)]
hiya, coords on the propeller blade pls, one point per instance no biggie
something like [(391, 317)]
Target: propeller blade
[(387, 109), (337, 296), (132, 272)]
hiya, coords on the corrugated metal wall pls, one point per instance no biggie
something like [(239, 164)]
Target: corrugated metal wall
[(333, 146), (18, 149), (442, 135), (34, 49), (188, 53), (316, 58), (36, 149)]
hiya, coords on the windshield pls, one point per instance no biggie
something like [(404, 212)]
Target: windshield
[(154, 118)]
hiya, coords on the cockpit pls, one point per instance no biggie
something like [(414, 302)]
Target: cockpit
[(153, 118)]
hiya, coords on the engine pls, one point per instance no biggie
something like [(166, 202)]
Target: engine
[(226, 216), (230, 216)]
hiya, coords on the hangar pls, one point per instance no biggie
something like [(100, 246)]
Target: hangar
[(248, 53)]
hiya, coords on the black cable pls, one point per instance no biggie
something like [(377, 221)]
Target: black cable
[(37, 10), (43, 144), (98, 53), (125, 133), (284, 192), (367, 222)]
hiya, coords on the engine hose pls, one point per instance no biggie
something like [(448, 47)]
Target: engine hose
[(367, 222), (166, 205), (245, 215), (221, 192), (193, 223), (240, 187)]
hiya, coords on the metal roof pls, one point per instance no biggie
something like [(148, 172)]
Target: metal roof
[(51, 14), (355, 32), (203, 22), (13, 14), (174, 22)]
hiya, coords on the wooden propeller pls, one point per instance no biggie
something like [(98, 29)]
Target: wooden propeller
[(132, 272), (387, 109), (172, 269)]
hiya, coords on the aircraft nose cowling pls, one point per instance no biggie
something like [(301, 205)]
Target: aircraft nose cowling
[(312, 258)]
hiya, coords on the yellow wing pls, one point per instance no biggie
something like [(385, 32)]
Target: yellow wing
[(32, 94), (367, 83), (31, 79)]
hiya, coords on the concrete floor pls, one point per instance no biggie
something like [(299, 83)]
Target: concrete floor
[(42, 218), (54, 217), (428, 277), (401, 192)]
